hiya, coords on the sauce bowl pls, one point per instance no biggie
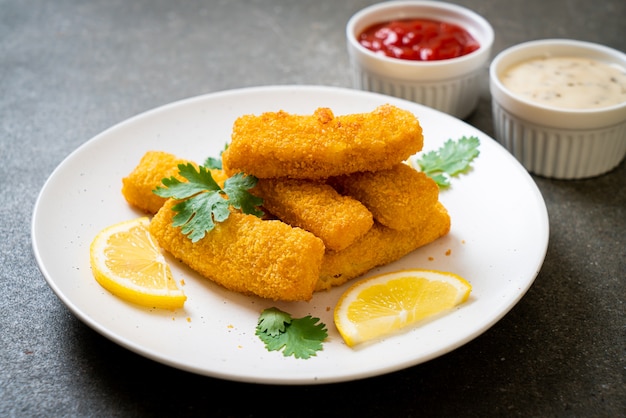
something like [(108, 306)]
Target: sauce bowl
[(451, 85), (558, 142)]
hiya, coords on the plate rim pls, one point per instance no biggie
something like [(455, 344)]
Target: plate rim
[(92, 323)]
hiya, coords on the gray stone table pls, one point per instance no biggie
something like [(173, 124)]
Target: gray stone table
[(70, 69)]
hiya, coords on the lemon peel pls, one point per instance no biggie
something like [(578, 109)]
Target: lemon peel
[(126, 261), (386, 303)]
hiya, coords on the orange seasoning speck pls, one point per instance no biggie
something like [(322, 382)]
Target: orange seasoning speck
[(449, 252)]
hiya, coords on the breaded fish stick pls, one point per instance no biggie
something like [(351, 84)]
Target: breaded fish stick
[(381, 245), (245, 254), (279, 144), (316, 207), (137, 187), (399, 198)]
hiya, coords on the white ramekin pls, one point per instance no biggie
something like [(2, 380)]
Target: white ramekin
[(553, 142), (452, 85)]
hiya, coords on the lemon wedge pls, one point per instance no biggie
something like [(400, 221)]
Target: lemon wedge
[(127, 262), (383, 304)]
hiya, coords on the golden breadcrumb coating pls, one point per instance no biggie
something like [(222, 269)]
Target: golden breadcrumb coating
[(137, 187), (316, 207), (381, 245), (279, 144), (248, 255), (399, 198), (344, 199)]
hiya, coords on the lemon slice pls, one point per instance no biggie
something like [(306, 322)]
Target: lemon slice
[(381, 305), (127, 262)]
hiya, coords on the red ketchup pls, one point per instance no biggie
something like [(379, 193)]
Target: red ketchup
[(418, 40)]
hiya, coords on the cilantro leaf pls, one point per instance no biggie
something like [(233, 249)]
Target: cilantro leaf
[(300, 337), (198, 181), (198, 214), (236, 187), (203, 202), (213, 162), (273, 322), (449, 160)]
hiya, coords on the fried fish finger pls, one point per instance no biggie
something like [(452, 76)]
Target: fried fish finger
[(279, 144), (399, 198), (248, 255), (137, 187), (381, 245), (316, 207), (146, 176)]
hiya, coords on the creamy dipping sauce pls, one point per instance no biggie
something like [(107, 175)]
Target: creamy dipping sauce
[(567, 82)]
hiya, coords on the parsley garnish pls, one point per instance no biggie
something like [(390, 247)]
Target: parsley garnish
[(203, 201), (451, 159), (298, 337), (213, 162)]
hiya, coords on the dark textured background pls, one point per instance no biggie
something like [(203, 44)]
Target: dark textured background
[(70, 69)]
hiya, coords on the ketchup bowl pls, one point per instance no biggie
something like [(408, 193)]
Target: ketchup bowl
[(559, 106), (418, 60)]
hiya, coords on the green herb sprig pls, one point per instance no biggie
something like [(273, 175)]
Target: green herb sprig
[(453, 158), (298, 337), (203, 202)]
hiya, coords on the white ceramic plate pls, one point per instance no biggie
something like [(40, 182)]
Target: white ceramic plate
[(498, 242)]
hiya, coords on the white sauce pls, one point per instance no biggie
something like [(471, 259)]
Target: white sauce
[(568, 82)]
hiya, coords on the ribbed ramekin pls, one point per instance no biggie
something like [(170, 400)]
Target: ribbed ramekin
[(555, 142), (451, 85)]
